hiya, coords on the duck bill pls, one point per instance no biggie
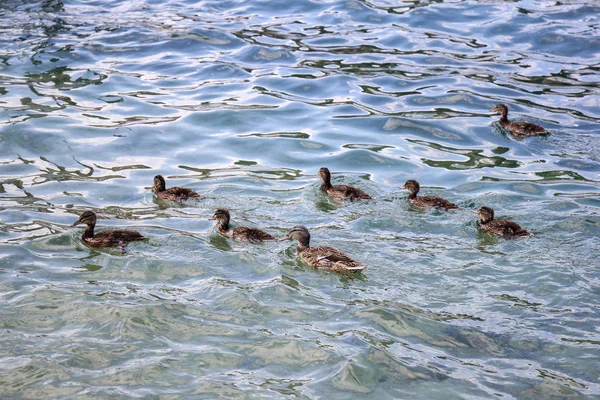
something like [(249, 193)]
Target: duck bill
[(77, 223), (283, 239), (475, 212)]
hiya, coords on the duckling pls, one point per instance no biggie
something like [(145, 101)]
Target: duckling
[(325, 257), (426, 201), (517, 128), (241, 233), (340, 192), (173, 194), (104, 238), (500, 227)]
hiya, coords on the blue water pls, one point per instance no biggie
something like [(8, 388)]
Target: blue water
[(244, 101)]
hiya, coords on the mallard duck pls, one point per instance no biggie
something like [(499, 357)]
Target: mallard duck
[(426, 201), (325, 257), (173, 194), (519, 128), (104, 238), (500, 227), (241, 233), (340, 192)]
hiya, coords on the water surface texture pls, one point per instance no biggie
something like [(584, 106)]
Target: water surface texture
[(244, 101)]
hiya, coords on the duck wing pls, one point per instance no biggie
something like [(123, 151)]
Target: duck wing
[(113, 238), (436, 201), (252, 235), (178, 194), (505, 228), (347, 192), (521, 128), (119, 235), (328, 257)]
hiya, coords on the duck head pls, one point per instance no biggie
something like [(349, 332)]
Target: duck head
[(159, 183), (222, 216), (301, 234), (412, 186), (325, 175), (500, 109), (486, 214), (88, 218)]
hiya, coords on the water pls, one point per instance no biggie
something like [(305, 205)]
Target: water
[(244, 101)]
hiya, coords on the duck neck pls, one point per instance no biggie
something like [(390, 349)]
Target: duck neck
[(303, 244), (223, 227), (412, 195), (160, 187), (326, 185), (485, 219), (504, 117), (88, 233), (301, 247)]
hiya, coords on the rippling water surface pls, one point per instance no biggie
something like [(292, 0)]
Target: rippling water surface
[(244, 101)]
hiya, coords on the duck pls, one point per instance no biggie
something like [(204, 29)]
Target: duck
[(174, 193), (104, 238), (519, 128), (340, 192), (322, 257), (499, 227), (426, 201), (240, 233)]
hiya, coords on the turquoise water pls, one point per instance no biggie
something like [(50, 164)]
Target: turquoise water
[(244, 101)]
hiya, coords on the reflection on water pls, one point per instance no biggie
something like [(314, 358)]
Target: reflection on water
[(475, 158), (243, 103)]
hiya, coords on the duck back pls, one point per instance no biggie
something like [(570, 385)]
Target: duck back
[(521, 128), (346, 192), (252, 235), (112, 238), (177, 194), (433, 201), (505, 228), (327, 257)]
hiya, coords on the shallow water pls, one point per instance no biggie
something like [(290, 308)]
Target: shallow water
[(244, 101)]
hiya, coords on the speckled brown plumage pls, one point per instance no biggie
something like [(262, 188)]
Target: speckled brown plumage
[(426, 201), (340, 192), (104, 238), (500, 227), (174, 193), (519, 128), (241, 233), (323, 257)]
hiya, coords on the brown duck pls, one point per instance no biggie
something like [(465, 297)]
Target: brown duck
[(241, 233), (426, 201), (104, 238), (323, 257), (519, 128), (173, 194), (500, 227), (340, 192)]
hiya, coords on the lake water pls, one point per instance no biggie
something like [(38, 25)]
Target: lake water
[(244, 101)]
